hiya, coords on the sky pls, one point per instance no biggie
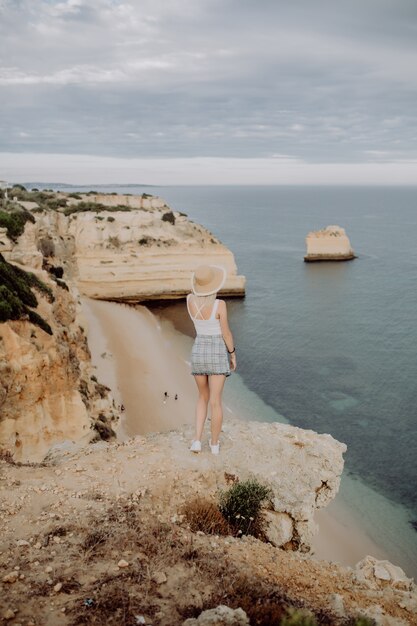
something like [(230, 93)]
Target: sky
[(209, 91)]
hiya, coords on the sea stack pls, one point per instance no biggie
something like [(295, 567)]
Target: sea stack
[(328, 244)]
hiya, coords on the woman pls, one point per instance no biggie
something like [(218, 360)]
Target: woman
[(213, 355)]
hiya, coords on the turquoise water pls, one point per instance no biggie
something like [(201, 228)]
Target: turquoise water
[(331, 347)]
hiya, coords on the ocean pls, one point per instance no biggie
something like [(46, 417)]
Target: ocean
[(330, 347)]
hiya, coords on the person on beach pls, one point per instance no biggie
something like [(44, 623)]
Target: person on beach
[(213, 356)]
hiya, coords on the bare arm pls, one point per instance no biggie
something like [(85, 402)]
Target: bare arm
[(226, 332)]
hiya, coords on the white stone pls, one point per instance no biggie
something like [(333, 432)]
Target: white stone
[(379, 573), (280, 527), (159, 578), (122, 563), (220, 616)]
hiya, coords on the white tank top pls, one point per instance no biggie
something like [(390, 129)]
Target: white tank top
[(206, 327)]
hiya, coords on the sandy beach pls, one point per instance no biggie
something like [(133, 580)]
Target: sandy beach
[(140, 358)]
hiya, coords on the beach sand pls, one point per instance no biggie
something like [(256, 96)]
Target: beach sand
[(140, 358)]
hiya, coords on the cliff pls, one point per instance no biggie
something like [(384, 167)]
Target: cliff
[(329, 244), (48, 391), (107, 246), (103, 537), (125, 248)]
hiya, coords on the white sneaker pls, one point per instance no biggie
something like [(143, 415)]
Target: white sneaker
[(195, 446), (215, 449)]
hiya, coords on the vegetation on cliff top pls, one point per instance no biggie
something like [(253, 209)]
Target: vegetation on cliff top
[(14, 217), (17, 298)]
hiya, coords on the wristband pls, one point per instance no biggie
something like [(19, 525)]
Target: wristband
[(231, 351)]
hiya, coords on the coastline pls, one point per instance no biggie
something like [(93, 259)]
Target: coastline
[(140, 357)]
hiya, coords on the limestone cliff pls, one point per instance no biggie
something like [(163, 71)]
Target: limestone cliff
[(329, 244), (125, 248), (106, 246), (48, 392)]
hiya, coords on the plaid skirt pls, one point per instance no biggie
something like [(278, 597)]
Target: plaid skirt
[(209, 356)]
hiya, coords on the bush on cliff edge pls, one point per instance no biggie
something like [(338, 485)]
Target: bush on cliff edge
[(16, 295)]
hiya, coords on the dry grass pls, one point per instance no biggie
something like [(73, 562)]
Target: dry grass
[(204, 515), (196, 574), (117, 598)]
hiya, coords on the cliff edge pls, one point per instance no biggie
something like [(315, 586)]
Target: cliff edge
[(116, 247)]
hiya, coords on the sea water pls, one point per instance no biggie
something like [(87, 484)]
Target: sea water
[(330, 347)]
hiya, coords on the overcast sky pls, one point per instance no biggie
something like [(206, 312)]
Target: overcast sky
[(196, 91)]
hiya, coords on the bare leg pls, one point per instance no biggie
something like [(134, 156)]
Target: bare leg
[(202, 402), (216, 389)]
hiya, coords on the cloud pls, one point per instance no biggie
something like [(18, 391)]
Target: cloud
[(89, 169), (322, 81)]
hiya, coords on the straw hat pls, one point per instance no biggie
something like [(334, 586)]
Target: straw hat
[(208, 279)]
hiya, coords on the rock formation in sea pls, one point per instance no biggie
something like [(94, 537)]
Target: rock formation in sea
[(328, 244)]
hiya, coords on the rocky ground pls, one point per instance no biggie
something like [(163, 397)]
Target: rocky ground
[(98, 536)]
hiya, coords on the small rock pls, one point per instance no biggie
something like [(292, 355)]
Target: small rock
[(220, 615), (58, 587), (8, 614), (48, 569), (10, 578), (23, 543), (58, 472), (337, 604), (122, 563), (159, 578)]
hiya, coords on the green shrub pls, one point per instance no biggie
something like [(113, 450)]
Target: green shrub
[(16, 295), (55, 203), (75, 195), (241, 506), (298, 617), (14, 221), (110, 219), (168, 217), (95, 207)]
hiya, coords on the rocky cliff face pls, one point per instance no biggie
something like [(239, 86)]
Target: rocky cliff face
[(48, 392), (127, 248), (144, 255), (137, 249), (329, 244)]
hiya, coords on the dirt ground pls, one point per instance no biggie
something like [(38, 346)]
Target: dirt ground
[(98, 536)]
